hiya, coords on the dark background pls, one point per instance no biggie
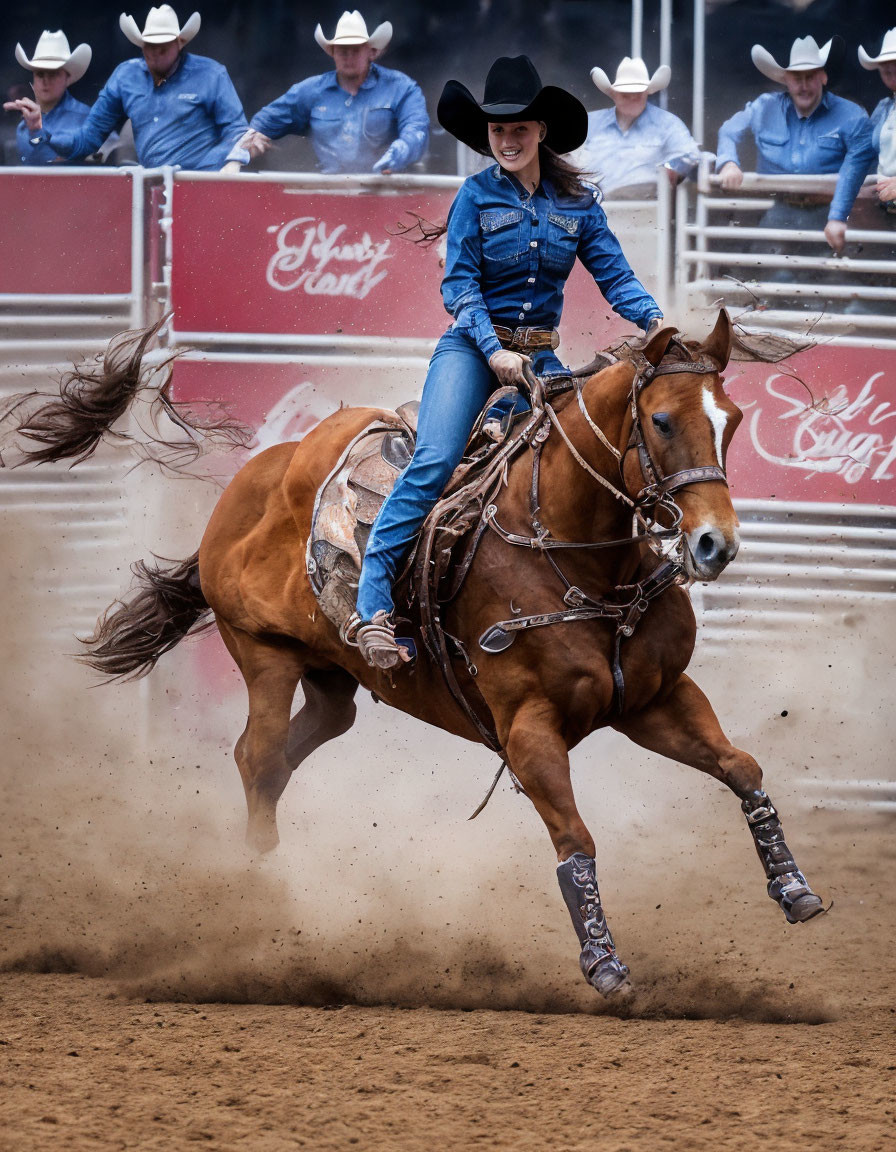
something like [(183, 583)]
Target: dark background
[(266, 48)]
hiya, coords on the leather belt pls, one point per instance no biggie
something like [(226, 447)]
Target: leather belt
[(805, 200), (518, 339)]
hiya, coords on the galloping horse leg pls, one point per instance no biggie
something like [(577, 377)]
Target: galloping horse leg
[(538, 756), (272, 672), (684, 727), (328, 711)]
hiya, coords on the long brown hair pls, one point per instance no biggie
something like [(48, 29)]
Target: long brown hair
[(564, 175)]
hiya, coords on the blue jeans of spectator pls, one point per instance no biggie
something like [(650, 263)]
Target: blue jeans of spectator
[(792, 217), (458, 383)]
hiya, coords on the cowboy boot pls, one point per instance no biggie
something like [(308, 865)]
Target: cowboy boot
[(376, 641)]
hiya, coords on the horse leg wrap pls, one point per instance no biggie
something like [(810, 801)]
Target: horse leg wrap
[(786, 884), (601, 966)]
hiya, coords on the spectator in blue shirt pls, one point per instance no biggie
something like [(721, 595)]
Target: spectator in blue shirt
[(629, 143), (361, 117), (803, 130), (55, 68), (514, 233), (183, 108), (883, 120)]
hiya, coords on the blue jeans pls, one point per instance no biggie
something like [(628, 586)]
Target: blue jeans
[(793, 217), (458, 383)]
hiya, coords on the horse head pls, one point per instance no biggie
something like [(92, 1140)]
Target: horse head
[(682, 422)]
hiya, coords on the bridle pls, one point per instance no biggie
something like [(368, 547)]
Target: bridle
[(658, 485), (654, 497)]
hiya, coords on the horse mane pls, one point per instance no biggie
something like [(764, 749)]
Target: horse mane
[(761, 347)]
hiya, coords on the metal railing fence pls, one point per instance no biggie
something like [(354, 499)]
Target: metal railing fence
[(786, 277)]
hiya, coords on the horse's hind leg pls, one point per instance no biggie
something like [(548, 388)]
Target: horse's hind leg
[(272, 672), (328, 711), (537, 754), (684, 727)]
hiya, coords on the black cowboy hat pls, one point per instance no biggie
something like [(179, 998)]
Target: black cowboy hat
[(513, 92)]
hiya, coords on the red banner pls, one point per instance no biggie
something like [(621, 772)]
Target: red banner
[(65, 235), (261, 257), (820, 427), (270, 258)]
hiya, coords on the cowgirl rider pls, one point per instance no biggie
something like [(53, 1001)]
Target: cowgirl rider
[(513, 234)]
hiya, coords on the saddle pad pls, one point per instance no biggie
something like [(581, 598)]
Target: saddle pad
[(345, 508)]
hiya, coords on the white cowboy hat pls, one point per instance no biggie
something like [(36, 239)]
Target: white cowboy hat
[(351, 29), (887, 52), (805, 56), (631, 76), (162, 26), (53, 52)]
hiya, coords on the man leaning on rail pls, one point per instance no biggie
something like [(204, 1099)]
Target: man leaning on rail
[(632, 144), (183, 108), (805, 130), (360, 116)]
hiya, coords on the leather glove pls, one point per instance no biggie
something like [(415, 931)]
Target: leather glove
[(508, 367)]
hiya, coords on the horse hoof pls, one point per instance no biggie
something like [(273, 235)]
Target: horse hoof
[(798, 902), (609, 976), (804, 908)]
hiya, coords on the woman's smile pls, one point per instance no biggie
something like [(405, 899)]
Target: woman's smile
[(515, 147)]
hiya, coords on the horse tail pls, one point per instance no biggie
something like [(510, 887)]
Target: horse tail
[(166, 605), (90, 401)]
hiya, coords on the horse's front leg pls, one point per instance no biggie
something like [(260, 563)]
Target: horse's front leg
[(684, 727), (537, 755)]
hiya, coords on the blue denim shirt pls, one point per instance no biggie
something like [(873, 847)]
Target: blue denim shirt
[(509, 255), (835, 138), (618, 158), (885, 108), (351, 133), (68, 115), (192, 119)]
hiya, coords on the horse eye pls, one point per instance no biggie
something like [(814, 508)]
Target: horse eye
[(662, 423)]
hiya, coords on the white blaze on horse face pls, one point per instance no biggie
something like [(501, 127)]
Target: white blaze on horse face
[(717, 418)]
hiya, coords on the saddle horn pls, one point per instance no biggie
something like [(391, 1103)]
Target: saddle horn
[(536, 389)]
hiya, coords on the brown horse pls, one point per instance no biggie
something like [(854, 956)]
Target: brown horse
[(650, 432)]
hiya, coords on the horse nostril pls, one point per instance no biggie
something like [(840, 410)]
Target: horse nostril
[(711, 550), (708, 547)]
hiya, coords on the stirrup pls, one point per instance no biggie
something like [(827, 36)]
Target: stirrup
[(376, 641)]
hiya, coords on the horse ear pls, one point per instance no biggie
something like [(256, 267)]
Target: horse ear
[(655, 348), (718, 345)]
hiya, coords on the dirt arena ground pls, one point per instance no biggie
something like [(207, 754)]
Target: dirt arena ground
[(734, 1035), (411, 982)]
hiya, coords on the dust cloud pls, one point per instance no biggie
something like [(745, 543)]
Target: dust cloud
[(123, 857)]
